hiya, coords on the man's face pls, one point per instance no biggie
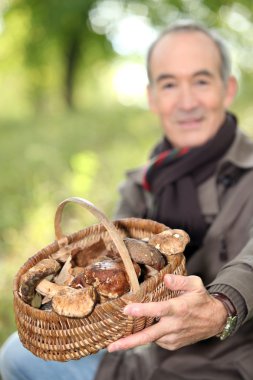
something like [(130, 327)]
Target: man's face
[(187, 91)]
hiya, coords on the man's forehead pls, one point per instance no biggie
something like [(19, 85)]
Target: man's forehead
[(182, 38), (185, 52)]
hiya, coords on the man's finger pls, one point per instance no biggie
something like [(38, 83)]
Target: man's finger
[(162, 308), (148, 335), (150, 309), (183, 283)]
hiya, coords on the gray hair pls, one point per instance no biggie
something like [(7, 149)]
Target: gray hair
[(191, 26)]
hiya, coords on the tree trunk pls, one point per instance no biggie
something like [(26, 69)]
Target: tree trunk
[(72, 56)]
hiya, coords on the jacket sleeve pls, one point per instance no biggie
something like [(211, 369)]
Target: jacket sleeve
[(235, 280), (135, 202), (132, 201)]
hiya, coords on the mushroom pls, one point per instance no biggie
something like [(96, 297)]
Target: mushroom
[(36, 301), (68, 301), (84, 256), (142, 253), (149, 272), (109, 278), (65, 276), (34, 275), (49, 289), (76, 271), (170, 242), (76, 303)]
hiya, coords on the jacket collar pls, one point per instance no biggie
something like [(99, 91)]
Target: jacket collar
[(240, 153)]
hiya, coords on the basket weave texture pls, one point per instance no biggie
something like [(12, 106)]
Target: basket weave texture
[(54, 337)]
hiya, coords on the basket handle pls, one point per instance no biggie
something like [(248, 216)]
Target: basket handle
[(116, 238)]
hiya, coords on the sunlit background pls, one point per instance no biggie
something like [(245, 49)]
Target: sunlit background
[(73, 111)]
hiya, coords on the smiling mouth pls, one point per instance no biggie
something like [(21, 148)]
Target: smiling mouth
[(190, 120), (190, 123)]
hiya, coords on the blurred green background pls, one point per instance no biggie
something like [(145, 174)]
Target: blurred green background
[(73, 114)]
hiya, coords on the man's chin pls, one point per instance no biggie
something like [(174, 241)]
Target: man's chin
[(192, 141)]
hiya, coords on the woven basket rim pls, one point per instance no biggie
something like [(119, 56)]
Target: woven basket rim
[(124, 223), (82, 233), (55, 337)]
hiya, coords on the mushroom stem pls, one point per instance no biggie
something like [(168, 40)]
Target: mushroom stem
[(49, 289)]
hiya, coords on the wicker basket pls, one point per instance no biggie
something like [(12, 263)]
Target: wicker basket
[(54, 337)]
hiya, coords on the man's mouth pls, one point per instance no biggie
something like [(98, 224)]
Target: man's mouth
[(190, 123)]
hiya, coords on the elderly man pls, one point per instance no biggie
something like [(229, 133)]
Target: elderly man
[(199, 178)]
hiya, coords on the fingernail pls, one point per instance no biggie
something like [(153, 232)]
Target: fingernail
[(169, 278), (113, 347), (130, 310)]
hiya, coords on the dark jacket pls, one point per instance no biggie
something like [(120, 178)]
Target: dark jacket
[(225, 264)]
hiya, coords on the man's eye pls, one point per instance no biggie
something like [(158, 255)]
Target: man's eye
[(201, 82), (168, 85)]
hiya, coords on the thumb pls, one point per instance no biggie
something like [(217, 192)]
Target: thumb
[(183, 283)]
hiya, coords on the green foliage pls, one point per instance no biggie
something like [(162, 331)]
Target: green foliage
[(58, 37)]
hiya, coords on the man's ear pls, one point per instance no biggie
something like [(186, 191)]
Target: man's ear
[(151, 98), (231, 91)]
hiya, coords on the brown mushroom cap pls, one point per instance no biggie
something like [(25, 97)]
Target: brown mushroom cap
[(34, 275), (143, 253), (170, 242), (77, 303), (68, 301), (85, 256), (76, 271), (109, 277)]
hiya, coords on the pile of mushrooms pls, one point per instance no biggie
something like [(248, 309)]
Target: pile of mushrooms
[(71, 283)]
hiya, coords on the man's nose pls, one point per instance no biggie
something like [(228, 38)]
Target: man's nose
[(187, 99)]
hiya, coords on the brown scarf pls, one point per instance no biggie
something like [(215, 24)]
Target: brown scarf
[(173, 178)]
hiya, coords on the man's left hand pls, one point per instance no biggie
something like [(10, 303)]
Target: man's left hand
[(192, 316)]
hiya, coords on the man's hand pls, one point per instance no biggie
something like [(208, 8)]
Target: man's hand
[(192, 316)]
